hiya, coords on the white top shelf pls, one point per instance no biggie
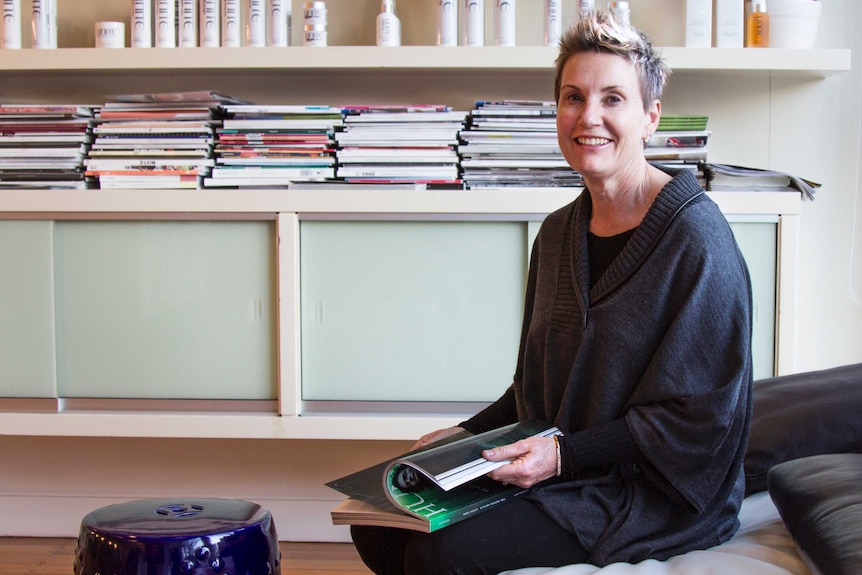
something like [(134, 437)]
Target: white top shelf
[(804, 62)]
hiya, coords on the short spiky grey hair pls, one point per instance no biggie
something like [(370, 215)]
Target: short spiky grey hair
[(599, 31)]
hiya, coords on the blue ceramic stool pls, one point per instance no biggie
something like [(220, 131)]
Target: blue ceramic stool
[(178, 537)]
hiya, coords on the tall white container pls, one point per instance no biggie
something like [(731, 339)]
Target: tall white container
[(553, 22), (142, 24), (231, 35), (474, 23), (504, 22), (210, 23), (279, 13), (698, 23), (44, 33), (166, 24), (10, 27), (729, 24), (255, 23), (447, 22), (188, 23)]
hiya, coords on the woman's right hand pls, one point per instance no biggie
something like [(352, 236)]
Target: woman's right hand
[(436, 436)]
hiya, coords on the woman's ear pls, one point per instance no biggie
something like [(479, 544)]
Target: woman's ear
[(654, 114)]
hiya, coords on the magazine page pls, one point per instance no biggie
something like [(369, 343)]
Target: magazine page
[(458, 462)]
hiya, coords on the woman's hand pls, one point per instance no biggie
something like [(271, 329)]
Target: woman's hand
[(436, 436), (532, 460)]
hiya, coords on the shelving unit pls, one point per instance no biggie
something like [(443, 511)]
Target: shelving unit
[(453, 76)]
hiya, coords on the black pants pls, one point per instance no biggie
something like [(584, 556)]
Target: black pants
[(512, 536)]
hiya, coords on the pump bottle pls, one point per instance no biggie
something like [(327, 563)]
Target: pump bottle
[(388, 25), (757, 34)]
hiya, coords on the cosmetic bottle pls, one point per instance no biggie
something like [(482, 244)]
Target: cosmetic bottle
[(586, 6), (447, 22), (504, 22), (388, 25), (187, 24), (621, 12), (758, 25), (142, 24), (10, 33), (165, 24), (231, 35), (255, 23), (279, 13), (729, 24), (698, 23), (553, 22), (474, 22), (210, 23)]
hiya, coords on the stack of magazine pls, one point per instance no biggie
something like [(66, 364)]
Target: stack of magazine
[(679, 141), (435, 487), (155, 140), (44, 146), (399, 144), (727, 178), (513, 143), (275, 145)]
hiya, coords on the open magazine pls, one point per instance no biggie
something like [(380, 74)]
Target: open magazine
[(432, 488)]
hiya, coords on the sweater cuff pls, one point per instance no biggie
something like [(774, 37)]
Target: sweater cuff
[(606, 444)]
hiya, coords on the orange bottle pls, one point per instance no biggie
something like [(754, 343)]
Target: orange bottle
[(758, 25)]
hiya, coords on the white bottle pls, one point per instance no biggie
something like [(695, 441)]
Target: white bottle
[(188, 24), (210, 23), (504, 22), (447, 22), (698, 23), (729, 24), (142, 24), (621, 12), (230, 18), (255, 23), (388, 25), (586, 6), (474, 22), (10, 28), (279, 13), (166, 24), (553, 22), (44, 22)]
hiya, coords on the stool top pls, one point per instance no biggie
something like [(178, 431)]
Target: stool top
[(177, 517)]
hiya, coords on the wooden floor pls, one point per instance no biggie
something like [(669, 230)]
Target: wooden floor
[(37, 556)]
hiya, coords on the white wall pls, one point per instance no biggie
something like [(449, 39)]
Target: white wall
[(809, 127)]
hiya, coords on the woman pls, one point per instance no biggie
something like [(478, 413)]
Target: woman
[(636, 343)]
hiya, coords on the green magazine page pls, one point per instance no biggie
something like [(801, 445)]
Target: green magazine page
[(442, 508)]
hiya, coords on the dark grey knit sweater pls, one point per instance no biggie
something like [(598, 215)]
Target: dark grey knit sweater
[(660, 348)]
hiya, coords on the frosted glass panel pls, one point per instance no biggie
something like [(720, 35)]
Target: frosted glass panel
[(410, 311), (177, 310), (27, 366), (758, 242)]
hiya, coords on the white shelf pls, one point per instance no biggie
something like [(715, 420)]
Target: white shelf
[(197, 425), (265, 203), (367, 58)]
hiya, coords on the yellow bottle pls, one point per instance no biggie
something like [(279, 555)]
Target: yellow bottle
[(758, 25)]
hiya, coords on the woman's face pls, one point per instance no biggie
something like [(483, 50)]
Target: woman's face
[(601, 121)]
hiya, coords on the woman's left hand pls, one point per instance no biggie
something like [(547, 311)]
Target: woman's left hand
[(532, 460)]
